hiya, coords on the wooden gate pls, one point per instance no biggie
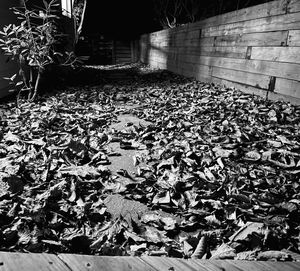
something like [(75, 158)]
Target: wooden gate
[(122, 52)]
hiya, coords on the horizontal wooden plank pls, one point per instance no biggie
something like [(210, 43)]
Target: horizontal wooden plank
[(72, 262), (287, 87), (220, 265), (283, 70), (278, 69), (278, 266), (104, 263), (209, 41), (260, 265), (184, 35), (260, 92), (233, 52), (275, 23), (277, 38), (164, 263), (294, 38), (280, 54), (251, 79), (190, 70), (294, 6), (31, 261)]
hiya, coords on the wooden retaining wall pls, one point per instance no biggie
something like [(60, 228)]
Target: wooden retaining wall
[(256, 49), (71, 262)]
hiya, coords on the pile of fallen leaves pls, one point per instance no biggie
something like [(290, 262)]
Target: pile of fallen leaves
[(217, 172)]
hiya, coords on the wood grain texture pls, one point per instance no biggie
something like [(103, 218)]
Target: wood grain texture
[(278, 54), (256, 91), (277, 38), (104, 263), (262, 266), (165, 264), (276, 23), (294, 38), (31, 261), (251, 79), (72, 262), (217, 51), (294, 6), (287, 87), (278, 69)]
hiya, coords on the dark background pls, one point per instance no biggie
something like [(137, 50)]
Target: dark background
[(130, 18), (119, 18)]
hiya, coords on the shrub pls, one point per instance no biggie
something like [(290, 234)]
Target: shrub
[(32, 44)]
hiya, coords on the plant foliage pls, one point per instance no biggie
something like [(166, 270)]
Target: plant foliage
[(33, 45)]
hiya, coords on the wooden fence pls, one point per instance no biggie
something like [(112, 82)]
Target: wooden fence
[(256, 49)]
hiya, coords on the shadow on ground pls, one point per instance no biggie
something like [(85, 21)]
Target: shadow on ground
[(91, 75)]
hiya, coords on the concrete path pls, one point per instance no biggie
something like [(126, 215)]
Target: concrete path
[(124, 159)]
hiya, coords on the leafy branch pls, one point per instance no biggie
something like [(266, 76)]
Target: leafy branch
[(32, 44)]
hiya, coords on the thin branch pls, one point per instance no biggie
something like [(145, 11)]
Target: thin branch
[(79, 30)]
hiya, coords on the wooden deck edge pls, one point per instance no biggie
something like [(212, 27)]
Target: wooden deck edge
[(73, 262)]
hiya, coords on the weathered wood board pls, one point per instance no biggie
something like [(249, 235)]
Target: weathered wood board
[(256, 91), (71, 262), (251, 79), (277, 38), (32, 262), (294, 38), (284, 70), (287, 87), (294, 6), (276, 23), (104, 263), (278, 54), (217, 51), (278, 69)]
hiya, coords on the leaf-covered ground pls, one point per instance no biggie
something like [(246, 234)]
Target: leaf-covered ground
[(217, 172)]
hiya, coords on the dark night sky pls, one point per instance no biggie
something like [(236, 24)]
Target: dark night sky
[(119, 18), (130, 18)]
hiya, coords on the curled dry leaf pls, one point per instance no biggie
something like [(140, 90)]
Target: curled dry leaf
[(274, 255), (223, 252), (200, 248)]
